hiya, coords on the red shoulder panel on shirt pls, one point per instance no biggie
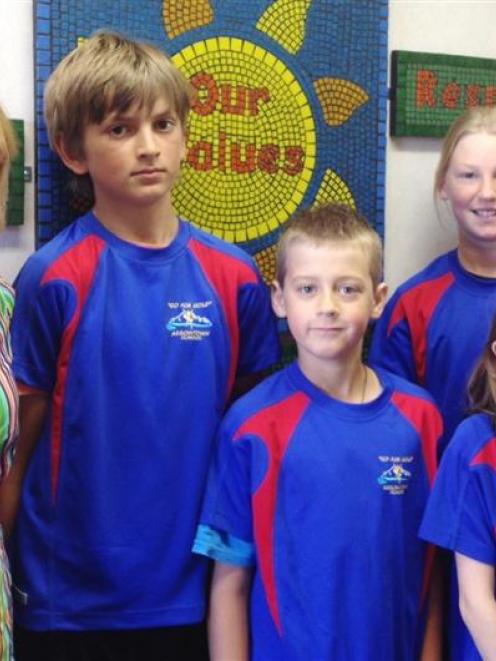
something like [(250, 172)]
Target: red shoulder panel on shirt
[(77, 266), (487, 455), (226, 274), (274, 426), (417, 306)]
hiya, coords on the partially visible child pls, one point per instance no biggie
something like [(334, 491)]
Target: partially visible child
[(461, 514), (130, 329), (8, 392), (321, 476), (434, 327)]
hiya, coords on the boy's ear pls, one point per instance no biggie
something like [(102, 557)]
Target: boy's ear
[(185, 142), (278, 304), (184, 148), (75, 163), (380, 295)]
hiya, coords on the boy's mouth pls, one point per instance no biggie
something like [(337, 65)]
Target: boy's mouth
[(148, 171), (327, 329)]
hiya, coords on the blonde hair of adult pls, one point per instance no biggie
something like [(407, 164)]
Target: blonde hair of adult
[(331, 222), (8, 149), (480, 119)]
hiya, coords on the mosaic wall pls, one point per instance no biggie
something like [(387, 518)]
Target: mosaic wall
[(15, 204), (429, 90), (290, 106)]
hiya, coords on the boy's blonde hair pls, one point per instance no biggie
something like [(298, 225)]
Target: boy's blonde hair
[(331, 222), (479, 119), (108, 73), (8, 149)]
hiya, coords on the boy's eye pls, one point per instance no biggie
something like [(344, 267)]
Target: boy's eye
[(306, 289), (349, 290), (467, 175), (164, 124), (118, 130)]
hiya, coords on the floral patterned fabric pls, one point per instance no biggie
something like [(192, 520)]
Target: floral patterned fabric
[(8, 434)]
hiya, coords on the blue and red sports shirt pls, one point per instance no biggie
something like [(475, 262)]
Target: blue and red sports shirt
[(329, 497), (138, 348), (433, 331), (461, 513)]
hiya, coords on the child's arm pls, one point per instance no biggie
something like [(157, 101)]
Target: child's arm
[(432, 648), (228, 616), (477, 603), (32, 411)]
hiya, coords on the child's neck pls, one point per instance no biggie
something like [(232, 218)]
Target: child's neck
[(153, 227), (351, 382), (478, 260)]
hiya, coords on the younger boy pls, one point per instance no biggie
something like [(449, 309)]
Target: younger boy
[(322, 474), (130, 328)]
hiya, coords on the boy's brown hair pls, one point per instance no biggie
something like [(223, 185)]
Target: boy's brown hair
[(108, 73), (8, 149), (330, 222)]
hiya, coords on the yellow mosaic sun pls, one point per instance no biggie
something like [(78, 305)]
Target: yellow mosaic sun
[(252, 140)]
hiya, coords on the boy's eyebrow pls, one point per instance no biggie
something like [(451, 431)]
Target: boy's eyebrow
[(116, 115), (127, 114), (316, 276)]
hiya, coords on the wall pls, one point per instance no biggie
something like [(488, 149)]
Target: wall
[(16, 96), (414, 235)]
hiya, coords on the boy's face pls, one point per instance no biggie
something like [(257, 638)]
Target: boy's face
[(328, 298), (133, 158)]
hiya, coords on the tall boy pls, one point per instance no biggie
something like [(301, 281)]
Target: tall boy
[(130, 328), (322, 474)]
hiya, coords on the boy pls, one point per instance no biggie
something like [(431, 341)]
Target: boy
[(130, 328), (321, 474)]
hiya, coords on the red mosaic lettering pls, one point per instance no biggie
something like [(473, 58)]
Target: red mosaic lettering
[(425, 88), (229, 106), (206, 94), (267, 159), (249, 163), (294, 160), (472, 95), (200, 156), (490, 96), (451, 95)]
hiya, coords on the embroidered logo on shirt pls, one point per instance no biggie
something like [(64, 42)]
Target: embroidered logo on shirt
[(190, 323), (396, 478)]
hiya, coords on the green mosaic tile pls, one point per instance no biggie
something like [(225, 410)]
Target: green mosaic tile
[(15, 203)]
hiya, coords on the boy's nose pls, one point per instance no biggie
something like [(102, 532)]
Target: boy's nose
[(329, 304), (147, 143)]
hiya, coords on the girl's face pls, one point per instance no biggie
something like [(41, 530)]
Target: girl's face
[(470, 188)]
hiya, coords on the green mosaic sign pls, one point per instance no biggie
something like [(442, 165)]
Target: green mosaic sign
[(429, 90), (15, 204)]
